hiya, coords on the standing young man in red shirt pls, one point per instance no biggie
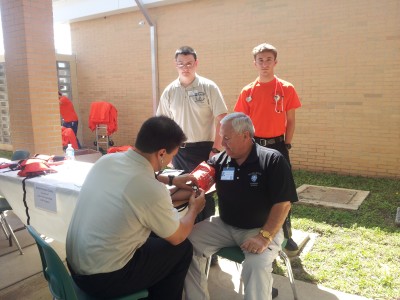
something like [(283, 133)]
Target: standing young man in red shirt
[(271, 102)]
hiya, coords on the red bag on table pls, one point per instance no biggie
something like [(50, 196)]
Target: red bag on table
[(205, 175)]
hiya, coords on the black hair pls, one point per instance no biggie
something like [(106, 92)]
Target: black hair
[(186, 50), (159, 133)]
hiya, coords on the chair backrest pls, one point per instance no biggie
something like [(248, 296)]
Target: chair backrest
[(20, 154), (57, 276)]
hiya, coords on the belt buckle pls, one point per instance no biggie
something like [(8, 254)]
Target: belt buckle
[(183, 145), (263, 142)]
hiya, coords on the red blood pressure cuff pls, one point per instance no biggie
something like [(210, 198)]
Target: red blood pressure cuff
[(205, 175), (33, 167)]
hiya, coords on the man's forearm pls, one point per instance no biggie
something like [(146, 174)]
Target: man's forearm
[(218, 139), (277, 217), (290, 126)]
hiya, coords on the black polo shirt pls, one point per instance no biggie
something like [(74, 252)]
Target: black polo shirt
[(264, 179)]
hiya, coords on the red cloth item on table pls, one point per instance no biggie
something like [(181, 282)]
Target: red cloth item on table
[(68, 137), (4, 165), (32, 167), (205, 175), (103, 113), (119, 149)]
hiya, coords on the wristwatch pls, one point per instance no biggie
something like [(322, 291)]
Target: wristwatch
[(288, 146), (265, 234), (170, 178), (215, 150)]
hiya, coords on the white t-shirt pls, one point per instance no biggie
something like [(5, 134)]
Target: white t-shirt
[(194, 108), (120, 203)]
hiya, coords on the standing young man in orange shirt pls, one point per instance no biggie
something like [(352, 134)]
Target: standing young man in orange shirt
[(271, 102)]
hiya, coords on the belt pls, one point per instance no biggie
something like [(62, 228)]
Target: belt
[(197, 144), (269, 141)]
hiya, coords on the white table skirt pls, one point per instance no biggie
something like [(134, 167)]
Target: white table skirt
[(67, 182)]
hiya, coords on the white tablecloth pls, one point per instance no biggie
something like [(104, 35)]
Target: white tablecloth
[(67, 182)]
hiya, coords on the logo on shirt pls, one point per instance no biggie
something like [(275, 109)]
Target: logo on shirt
[(254, 178), (197, 96)]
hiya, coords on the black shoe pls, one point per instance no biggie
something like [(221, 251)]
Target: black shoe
[(214, 260), (291, 245), (275, 292)]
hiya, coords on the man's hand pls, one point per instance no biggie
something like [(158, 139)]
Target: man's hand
[(256, 244), (197, 201), (185, 181)]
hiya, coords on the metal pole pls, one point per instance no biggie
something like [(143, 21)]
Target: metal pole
[(153, 47)]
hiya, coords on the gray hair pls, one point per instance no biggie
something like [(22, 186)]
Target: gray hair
[(240, 122)]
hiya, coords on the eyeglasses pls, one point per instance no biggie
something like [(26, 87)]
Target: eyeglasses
[(182, 66)]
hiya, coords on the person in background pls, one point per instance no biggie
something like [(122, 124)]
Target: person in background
[(255, 189), (125, 235), (68, 114), (68, 137), (197, 105), (271, 102)]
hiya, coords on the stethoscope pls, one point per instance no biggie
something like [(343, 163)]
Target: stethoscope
[(277, 97)]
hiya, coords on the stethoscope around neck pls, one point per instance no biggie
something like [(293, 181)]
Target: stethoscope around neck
[(277, 97)]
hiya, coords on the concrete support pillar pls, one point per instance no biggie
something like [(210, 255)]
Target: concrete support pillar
[(31, 75)]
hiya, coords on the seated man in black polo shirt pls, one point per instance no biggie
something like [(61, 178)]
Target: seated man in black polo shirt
[(255, 189)]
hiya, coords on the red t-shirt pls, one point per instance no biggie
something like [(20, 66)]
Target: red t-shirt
[(67, 110), (262, 108)]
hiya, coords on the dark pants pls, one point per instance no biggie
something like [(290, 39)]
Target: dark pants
[(157, 265), (281, 147), (188, 159)]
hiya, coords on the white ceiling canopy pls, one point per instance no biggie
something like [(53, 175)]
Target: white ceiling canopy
[(69, 11)]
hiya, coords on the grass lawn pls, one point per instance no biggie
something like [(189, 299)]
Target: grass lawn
[(5, 154), (356, 252)]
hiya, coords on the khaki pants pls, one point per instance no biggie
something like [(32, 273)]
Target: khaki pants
[(213, 234)]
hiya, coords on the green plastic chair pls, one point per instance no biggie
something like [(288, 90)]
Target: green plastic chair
[(7, 229), (20, 154), (5, 206), (60, 282), (235, 254)]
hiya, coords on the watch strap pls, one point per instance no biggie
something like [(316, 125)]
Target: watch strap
[(170, 179)]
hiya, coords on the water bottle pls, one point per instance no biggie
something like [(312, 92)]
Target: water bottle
[(70, 152)]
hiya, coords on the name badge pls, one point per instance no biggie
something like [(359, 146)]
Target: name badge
[(228, 173)]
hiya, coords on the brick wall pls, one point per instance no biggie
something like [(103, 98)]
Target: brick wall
[(31, 75), (342, 56)]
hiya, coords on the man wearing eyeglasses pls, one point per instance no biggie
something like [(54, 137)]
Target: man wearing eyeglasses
[(271, 102), (197, 105)]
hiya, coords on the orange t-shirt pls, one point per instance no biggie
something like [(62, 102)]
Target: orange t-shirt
[(67, 110), (262, 107)]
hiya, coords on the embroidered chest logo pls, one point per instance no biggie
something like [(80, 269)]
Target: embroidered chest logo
[(254, 179), (197, 96)]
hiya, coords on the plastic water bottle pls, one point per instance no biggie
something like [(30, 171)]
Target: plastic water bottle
[(70, 152)]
